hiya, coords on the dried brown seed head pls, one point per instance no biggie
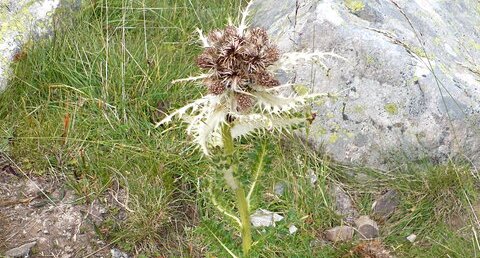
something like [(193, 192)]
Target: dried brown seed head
[(230, 32), (272, 55), (207, 60), (244, 102), (266, 79), (258, 37), (215, 86), (237, 61)]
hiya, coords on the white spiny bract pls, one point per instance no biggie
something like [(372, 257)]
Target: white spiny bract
[(242, 90)]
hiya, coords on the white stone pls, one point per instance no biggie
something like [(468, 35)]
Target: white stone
[(292, 229), (264, 218), (412, 238)]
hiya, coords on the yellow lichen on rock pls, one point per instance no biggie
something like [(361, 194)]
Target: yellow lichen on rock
[(354, 5)]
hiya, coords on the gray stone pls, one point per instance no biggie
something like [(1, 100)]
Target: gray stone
[(343, 204), (409, 87), (116, 253), (22, 251), (339, 234), (279, 188), (367, 228), (386, 205)]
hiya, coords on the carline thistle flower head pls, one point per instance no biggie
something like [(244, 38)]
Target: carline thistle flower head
[(242, 88), (237, 64)]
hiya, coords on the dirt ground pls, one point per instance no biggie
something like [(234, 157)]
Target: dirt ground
[(45, 211)]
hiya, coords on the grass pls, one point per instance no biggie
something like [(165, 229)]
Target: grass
[(82, 106)]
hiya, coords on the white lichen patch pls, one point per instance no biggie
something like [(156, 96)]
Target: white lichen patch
[(18, 23)]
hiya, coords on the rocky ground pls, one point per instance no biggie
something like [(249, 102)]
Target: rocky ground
[(41, 216)]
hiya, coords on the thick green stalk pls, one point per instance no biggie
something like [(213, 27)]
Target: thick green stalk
[(242, 203), (245, 219)]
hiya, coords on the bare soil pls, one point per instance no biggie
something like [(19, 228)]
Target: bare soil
[(44, 210)]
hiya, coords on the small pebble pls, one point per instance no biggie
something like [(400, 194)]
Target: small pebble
[(292, 229), (264, 218), (116, 253), (367, 228), (412, 238), (386, 205), (313, 177), (279, 188)]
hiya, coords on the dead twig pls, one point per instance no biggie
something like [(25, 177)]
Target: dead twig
[(6, 203)]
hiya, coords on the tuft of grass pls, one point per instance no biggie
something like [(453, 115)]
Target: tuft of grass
[(438, 203), (82, 103), (438, 206)]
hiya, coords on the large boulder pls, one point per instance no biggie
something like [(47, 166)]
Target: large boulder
[(21, 21), (408, 87)]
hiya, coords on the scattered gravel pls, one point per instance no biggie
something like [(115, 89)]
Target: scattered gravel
[(43, 211)]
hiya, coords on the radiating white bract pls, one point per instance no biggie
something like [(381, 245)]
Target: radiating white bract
[(275, 108)]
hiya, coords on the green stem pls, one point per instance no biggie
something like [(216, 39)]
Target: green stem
[(242, 203), (245, 219)]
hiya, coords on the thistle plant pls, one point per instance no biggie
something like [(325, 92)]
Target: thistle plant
[(244, 97)]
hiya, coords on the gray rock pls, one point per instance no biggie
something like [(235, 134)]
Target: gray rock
[(367, 228), (386, 205), (279, 188), (339, 234), (116, 253), (21, 21), (409, 87), (22, 251), (343, 204)]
